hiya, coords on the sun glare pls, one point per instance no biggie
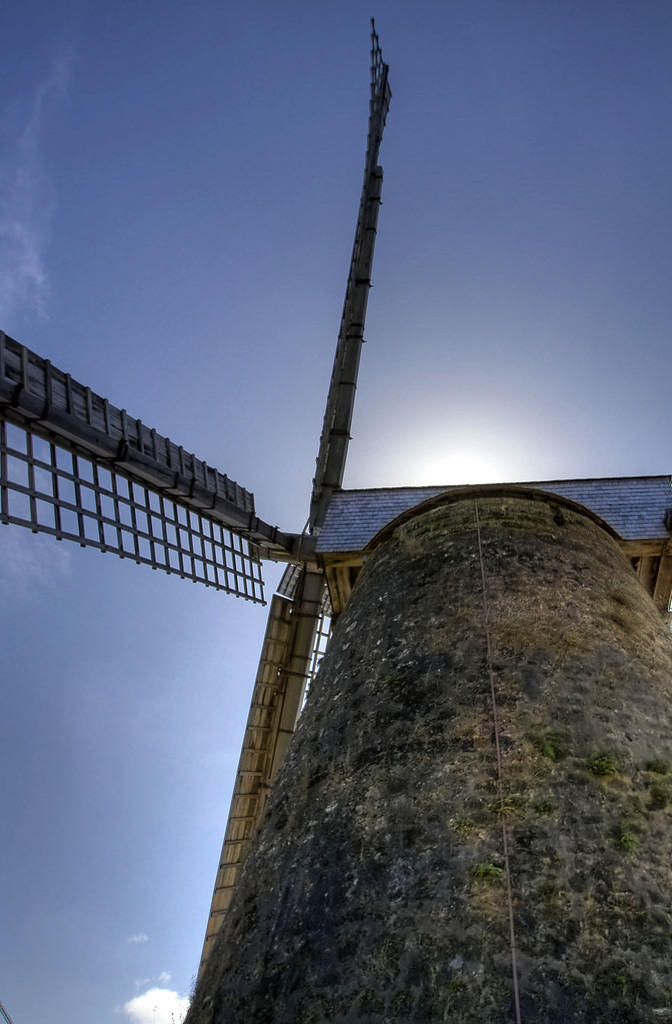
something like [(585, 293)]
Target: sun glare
[(461, 466)]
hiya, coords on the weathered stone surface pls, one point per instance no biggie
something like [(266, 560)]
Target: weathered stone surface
[(375, 891)]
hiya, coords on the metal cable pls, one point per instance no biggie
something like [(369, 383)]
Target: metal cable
[(500, 789)]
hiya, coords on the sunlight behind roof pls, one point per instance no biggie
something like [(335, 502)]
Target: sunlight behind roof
[(458, 466)]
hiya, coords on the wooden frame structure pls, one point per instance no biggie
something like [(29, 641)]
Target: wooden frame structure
[(77, 467)]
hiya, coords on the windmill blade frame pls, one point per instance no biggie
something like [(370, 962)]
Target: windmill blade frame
[(296, 636), (77, 467), (335, 436)]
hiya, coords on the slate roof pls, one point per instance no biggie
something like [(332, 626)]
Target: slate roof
[(634, 507)]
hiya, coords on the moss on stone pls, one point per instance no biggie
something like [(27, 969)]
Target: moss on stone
[(487, 872), (603, 765)]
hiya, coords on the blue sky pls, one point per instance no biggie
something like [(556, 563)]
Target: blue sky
[(178, 188)]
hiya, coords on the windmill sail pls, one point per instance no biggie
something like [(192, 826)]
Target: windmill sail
[(75, 466), (290, 655), (299, 619), (335, 436)]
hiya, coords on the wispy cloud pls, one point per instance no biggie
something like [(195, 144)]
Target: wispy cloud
[(157, 1006), (27, 197), (140, 937), (161, 979)]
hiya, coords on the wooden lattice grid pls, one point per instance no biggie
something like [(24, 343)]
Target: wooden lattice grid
[(52, 490)]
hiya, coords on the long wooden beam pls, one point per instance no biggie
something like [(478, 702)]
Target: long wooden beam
[(335, 436)]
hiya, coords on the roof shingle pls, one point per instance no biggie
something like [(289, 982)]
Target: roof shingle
[(634, 507)]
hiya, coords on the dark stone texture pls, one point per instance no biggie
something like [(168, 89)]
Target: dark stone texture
[(375, 890)]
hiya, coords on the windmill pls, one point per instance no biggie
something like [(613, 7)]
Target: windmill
[(80, 469)]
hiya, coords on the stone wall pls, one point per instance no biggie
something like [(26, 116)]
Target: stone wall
[(376, 890)]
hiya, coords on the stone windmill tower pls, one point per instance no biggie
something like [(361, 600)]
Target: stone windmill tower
[(473, 821)]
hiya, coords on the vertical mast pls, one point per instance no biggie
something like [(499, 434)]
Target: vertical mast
[(341, 397)]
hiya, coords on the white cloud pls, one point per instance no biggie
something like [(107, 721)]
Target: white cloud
[(164, 978), (140, 937), (157, 1006), (26, 198)]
